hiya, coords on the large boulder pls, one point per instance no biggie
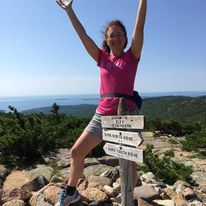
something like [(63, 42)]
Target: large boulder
[(146, 192), (94, 195), (96, 170), (51, 194), (16, 179), (41, 170), (100, 180), (109, 160), (38, 199), (15, 203), (36, 184)]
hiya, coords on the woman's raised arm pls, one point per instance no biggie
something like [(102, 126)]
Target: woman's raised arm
[(138, 33), (88, 43)]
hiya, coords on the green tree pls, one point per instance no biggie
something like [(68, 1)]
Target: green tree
[(173, 127), (195, 141), (26, 138), (55, 113)]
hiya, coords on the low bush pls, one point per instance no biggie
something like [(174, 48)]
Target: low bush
[(24, 139), (165, 169), (195, 142)]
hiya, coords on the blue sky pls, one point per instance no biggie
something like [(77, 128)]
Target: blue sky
[(40, 54)]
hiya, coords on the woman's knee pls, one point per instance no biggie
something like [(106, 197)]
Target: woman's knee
[(76, 153)]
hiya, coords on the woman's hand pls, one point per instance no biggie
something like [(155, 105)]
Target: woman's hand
[(65, 4)]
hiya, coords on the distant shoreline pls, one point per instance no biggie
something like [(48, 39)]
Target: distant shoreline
[(144, 94), (31, 102)]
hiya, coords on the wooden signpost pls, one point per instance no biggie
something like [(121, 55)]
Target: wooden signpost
[(121, 130)]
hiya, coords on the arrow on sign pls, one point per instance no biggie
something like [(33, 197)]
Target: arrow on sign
[(122, 137), (123, 152)]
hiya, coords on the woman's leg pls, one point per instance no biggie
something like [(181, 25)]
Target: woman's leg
[(85, 143)]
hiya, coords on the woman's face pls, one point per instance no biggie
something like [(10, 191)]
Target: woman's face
[(116, 39)]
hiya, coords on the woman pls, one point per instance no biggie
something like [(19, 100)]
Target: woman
[(117, 70)]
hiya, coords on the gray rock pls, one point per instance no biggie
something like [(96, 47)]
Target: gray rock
[(63, 153), (110, 191), (90, 162), (43, 170), (201, 195), (64, 163), (145, 192), (11, 194), (16, 179), (118, 199), (36, 184), (94, 204), (51, 194), (38, 199), (180, 186), (109, 160), (148, 177), (189, 194), (15, 203), (96, 170), (101, 180), (199, 177), (56, 179), (141, 202), (165, 202), (113, 174), (196, 203), (160, 184), (16, 194), (25, 195), (64, 173), (94, 195), (116, 186)]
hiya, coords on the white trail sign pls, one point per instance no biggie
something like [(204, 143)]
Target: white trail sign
[(123, 122), (124, 152), (122, 137)]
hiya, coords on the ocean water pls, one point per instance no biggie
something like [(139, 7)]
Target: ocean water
[(30, 102)]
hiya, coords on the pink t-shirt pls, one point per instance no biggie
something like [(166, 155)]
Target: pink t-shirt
[(117, 76)]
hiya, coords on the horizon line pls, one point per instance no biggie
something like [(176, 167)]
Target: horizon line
[(78, 94)]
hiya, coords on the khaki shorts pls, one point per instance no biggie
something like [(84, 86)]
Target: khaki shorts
[(95, 125)]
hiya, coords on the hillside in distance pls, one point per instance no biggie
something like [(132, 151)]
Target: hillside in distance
[(81, 110), (180, 108)]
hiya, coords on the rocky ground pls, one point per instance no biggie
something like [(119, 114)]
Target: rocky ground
[(163, 143), (100, 184)]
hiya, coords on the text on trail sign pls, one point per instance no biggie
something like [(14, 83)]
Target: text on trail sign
[(123, 152), (123, 122), (122, 137)]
